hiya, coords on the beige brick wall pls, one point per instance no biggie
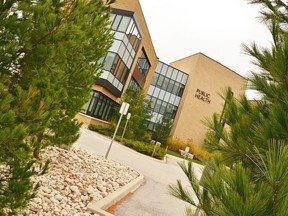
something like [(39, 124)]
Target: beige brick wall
[(207, 79)]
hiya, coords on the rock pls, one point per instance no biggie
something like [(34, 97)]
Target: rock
[(74, 188), (37, 200), (84, 198), (58, 197), (46, 190), (90, 190), (76, 178), (115, 185), (101, 188)]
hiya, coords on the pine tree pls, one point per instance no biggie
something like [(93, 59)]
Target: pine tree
[(140, 113), (48, 62), (250, 174), (163, 128)]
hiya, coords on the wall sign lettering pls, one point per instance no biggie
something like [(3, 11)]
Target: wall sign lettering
[(202, 95)]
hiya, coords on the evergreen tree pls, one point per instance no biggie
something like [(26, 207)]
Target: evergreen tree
[(163, 128), (251, 173), (48, 62), (140, 113)]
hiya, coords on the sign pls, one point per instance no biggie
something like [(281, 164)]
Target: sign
[(202, 95), (124, 108), (128, 116)]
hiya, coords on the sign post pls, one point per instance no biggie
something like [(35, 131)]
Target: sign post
[(123, 111), (128, 117)]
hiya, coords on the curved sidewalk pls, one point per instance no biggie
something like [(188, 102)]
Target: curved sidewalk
[(152, 198)]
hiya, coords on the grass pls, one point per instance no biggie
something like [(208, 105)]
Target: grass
[(180, 156)]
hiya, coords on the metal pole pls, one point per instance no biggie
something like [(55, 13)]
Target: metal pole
[(125, 128), (113, 136)]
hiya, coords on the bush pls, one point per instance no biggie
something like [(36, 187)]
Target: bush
[(144, 148), (107, 131), (198, 152)]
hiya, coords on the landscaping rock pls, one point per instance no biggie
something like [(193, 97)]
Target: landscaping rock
[(76, 178)]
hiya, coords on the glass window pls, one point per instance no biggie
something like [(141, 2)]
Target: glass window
[(112, 16), (155, 78), (125, 40), (121, 50), (153, 102), (150, 90), (124, 24), (161, 94), (184, 79), (167, 96), (163, 108), (160, 81), (130, 26), (174, 74), (121, 71), (156, 92), (159, 66), (165, 83), (126, 56), (181, 90), (176, 88), (129, 63), (116, 22), (115, 46), (119, 35), (154, 117), (170, 85), (115, 63), (177, 101), (129, 47), (172, 99), (169, 72), (179, 77), (101, 107), (164, 69), (157, 106), (91, 106), (109, 59), (143, 63)]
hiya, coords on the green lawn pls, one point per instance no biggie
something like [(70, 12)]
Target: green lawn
[(180, 156)]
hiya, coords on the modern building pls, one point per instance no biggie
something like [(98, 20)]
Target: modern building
[(187, 90), (190, 89), (131, 61)]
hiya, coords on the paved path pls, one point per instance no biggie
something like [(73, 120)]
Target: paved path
[(152, 198)]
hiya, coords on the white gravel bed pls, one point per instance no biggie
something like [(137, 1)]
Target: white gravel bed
[(75, 179)]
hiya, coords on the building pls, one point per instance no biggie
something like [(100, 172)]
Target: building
[(130, 61), (190, 89), (187, 90)]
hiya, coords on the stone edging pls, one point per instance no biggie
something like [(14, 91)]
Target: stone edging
[(100, 206)]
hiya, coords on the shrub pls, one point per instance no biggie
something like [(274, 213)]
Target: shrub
[(199, 153), (107, 131), (144, 148)]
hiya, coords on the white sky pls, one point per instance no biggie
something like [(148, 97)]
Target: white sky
[(180, 28)]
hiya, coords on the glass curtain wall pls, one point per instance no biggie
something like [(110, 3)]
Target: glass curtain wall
[(100, 107), (119, 59), (165, 92)]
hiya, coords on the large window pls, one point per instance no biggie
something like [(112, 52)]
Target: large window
[(165, 92), (118, 60), (143, 63), (127, 25), (100, 107)]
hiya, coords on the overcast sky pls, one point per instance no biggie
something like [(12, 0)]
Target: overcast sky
[(180, 28)]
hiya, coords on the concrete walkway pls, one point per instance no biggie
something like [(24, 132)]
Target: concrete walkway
[(152, 198)]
